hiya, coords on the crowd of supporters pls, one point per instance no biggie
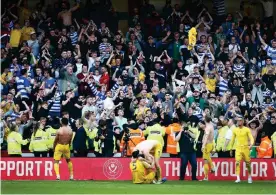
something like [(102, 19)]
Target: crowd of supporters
[(72, 61)]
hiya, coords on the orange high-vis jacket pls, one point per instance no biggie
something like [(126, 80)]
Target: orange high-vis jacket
[(265, 148), (171, 143), (136, 137)]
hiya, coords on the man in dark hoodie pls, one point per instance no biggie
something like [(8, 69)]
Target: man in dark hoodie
[(79, 141)]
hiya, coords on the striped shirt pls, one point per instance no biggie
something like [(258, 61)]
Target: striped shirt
[(17, 72), (94, 90), (115, 87), (102, 49), (22, 84), (271, 52), (223, 86), (239, 68), (198, 113), (56, 107), (219, 7), (267, 93), (74, 38), (202, 54)]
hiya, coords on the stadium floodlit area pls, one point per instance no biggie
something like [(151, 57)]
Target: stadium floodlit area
[(126, 187)]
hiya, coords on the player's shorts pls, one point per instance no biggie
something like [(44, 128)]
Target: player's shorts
[(207, 151), (149, 177), (62, 150), (242, 153), (158, 150)]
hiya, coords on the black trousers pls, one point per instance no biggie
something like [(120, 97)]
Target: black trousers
[(15, 155), (185, 158), (40, 154), (81, 153), (174, 155), (51, 153)]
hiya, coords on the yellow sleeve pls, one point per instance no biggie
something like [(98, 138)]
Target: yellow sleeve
[(45, 138), (273, 139), (146, 165), (233, 139), (31, 143), (214, 145), (146, 132), (20, 140), (250, 137), (93, 134), (47, 134), (3, 79), (163, 131)]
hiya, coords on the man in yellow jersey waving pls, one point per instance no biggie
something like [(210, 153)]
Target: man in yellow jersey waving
[(142, 170), (242, 134)]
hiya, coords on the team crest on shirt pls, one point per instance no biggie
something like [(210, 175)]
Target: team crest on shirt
[(112, 169)]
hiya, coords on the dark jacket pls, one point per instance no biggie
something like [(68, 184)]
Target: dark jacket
[(79, 142), (186, 143)]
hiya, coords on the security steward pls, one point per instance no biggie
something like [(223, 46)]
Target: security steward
[(15, 141), (155, 132), (38, 144), (171, 130)]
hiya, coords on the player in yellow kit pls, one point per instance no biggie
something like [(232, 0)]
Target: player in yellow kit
[(242, 134), (141, 170), (152, 149), (62, 147), (207, 145)]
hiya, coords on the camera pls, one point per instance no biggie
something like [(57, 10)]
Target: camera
[(126, 131)]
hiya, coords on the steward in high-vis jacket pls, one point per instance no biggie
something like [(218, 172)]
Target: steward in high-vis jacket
[(171, 130), (15, 141), (155, 132), (51, 135), (265, 148), (39, 145)]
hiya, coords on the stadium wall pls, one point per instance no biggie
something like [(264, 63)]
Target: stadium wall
[(118, 169)]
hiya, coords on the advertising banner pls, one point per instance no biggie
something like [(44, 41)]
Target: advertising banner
[(118, 169)]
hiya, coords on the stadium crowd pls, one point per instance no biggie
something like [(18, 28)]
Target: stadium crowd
[(72, 61)]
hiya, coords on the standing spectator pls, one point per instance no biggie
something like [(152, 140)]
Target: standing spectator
[(187, 153), (79, 142), (66, 14)]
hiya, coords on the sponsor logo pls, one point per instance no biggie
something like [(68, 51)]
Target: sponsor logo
[(112, 169)]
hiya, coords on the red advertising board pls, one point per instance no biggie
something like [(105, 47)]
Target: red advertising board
[(118, 169)]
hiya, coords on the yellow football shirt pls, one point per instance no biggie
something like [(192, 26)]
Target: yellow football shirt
[(26, 33), (138, 170), (211, 84), (241, 135), (15, 37)]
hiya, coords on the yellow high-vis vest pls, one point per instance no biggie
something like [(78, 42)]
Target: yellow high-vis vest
[(15, 141)]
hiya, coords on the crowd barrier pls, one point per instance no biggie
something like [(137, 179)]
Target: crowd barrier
[(118, 169)]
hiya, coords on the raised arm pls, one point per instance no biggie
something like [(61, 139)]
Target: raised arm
[(74, 8)]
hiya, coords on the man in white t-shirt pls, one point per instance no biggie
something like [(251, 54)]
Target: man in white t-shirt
[(90, 106), (120, 119)]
